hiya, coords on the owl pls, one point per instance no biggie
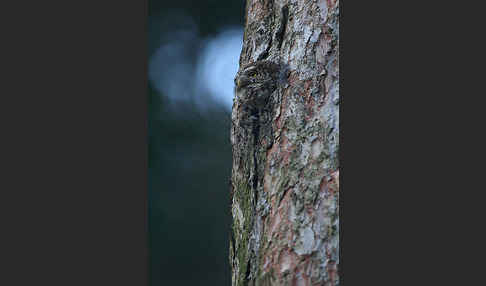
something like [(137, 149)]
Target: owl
[(255, 82)]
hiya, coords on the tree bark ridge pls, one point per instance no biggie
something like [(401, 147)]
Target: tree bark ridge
[(285, 175)]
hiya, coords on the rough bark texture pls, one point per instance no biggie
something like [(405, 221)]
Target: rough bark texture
[(285, 176)]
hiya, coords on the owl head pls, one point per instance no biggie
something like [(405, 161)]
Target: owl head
[(254, 75), (255, 82)]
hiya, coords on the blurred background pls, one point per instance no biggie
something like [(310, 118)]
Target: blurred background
[(193, 54)]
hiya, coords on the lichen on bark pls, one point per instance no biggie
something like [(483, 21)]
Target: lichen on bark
[(285, 174)]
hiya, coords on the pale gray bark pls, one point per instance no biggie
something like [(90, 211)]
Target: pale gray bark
[(285, 177)]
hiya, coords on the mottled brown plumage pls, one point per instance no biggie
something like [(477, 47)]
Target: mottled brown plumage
[(255, 82)]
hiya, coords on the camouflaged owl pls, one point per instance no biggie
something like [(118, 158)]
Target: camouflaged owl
[(255, 82)]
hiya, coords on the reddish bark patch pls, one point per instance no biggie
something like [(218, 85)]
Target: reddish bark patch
[(323, 184), (287, 263), (275, 221), (279, 260), (307, 85), (285, 149), (309, 104), (309, 101), (279, 212), (331, 4), (335, 178), (293, 78), (278, 121), (331, 186)]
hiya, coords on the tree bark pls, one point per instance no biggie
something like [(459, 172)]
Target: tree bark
[(285, 174)]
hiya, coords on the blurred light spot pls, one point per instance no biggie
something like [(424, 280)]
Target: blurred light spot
[(188, 69), (218, 64)]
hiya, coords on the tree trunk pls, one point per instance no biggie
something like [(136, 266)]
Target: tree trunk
[(285, 139)]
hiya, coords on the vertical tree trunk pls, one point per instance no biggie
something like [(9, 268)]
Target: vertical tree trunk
[(285, 176)]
